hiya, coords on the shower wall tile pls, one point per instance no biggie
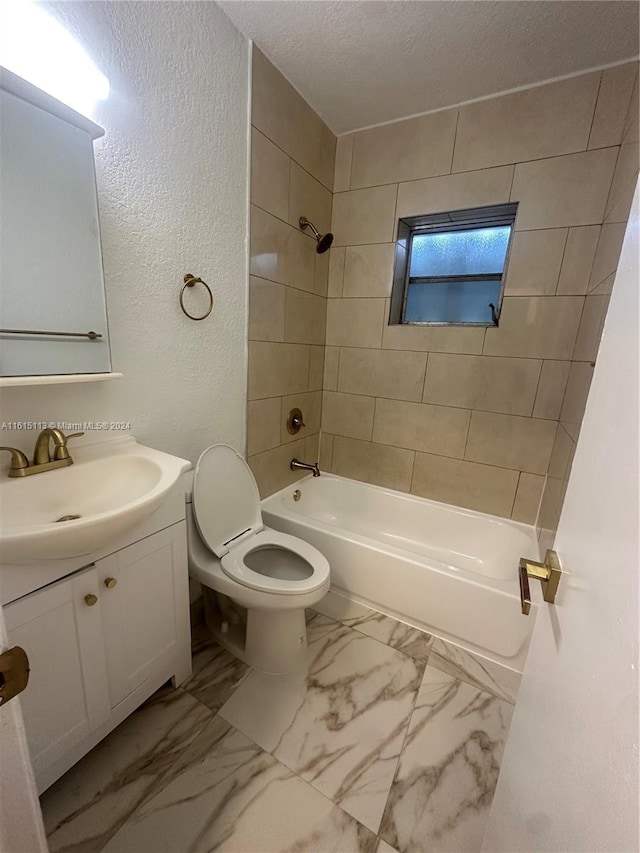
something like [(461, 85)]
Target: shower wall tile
[(591, 325), (270, 169), (534, 262), (382, 373), (263, 424), (631, 132), (467, 484), (454, 192), (271, 468), (321, 276), (607, 253), (512, 442), (316, 368), (308, 197), (331, 359), (419, 426), (364, 216), (578, 258), (305, 317), (433, 338), (349, 415), (508, 129), (551, 387), (276, 369), (325, 453), (355, 322), (575, 397), (378, 464), (624, 183), (344, 155), (551, 505), (336, 271), (568, 153), (562, 454), (528, 496), (480, 382), (280, 252), (536, 327), (563, 191), (266, 310), (292, 161), (310, 403), (404, 150), (614, 97), (555, 149), (368, 270), (284, 117)]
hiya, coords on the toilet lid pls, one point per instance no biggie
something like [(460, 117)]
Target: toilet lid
[(226, 501)]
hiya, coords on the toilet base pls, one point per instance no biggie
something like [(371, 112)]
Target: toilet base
[(271, 641), (276, 641)]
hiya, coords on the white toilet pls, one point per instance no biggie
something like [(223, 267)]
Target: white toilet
[(270, 577)]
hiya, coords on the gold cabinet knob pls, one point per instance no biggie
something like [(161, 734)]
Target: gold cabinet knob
[(90, 599), (110, 583)]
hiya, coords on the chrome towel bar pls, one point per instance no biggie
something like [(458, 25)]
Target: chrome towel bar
[(91, 335)]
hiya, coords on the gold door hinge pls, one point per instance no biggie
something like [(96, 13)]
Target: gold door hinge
[(14, 673)]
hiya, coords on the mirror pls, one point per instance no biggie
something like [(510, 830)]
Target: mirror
[(53, 318)]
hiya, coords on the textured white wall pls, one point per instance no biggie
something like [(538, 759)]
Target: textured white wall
[(172, 187)]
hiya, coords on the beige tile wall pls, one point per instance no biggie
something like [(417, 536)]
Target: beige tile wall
[(595, 253), (482, 418), (292, 165)]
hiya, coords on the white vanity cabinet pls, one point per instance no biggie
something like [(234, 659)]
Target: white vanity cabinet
[(67, 696), (142, 615), (100, 641)]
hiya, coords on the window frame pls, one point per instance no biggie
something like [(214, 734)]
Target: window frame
[(467, 219)]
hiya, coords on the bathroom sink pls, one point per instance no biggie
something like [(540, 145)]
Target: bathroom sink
[(77, 510)]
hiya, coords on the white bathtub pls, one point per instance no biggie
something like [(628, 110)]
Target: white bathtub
[(450, 571)]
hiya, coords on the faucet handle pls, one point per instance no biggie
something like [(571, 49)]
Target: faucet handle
[(61, 451), (18, 459)]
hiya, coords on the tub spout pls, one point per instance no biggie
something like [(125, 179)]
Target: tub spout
[(296, 465)]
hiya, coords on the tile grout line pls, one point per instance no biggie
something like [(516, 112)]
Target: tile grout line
[(286, 154), (595, 110), (564, 252)]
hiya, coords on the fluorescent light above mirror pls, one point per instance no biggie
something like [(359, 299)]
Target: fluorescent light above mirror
[(39, 49)]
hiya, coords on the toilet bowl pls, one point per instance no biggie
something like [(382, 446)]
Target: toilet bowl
[(270, 576)]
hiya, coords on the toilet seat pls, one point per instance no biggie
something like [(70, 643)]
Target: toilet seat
[(226, 509), (235, 567)]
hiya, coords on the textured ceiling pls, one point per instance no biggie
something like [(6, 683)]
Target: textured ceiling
[(362, 62)]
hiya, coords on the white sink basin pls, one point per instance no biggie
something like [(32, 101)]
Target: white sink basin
[(111, 487)]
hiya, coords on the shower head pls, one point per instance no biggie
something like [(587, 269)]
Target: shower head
[(324, 241)]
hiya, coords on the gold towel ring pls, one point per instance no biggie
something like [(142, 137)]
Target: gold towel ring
[(189, 281)]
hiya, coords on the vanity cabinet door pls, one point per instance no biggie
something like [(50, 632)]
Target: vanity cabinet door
[(145, 608), (66, 697)]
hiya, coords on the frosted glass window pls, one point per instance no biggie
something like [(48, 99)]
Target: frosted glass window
[(450, 266), (451, 302), (478, 251)]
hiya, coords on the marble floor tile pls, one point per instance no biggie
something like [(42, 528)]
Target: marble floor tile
[(398, 635), (227, 794), (448, 770), (383, 847), (84, 808), (342, 727), (500, 681), (216, 672)]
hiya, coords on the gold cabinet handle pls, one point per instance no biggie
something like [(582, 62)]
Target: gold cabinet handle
[(110, 583), (548, 573), (90, 599)]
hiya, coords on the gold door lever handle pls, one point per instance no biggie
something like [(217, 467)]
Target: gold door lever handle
[(548, 573)]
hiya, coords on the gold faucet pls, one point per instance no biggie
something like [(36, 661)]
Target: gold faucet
[(42, 461)]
